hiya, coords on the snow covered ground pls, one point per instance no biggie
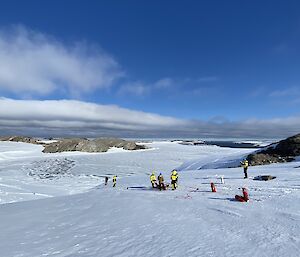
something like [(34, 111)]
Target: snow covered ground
[(86, 218)]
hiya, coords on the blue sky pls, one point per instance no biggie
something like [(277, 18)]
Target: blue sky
[(202, 61)]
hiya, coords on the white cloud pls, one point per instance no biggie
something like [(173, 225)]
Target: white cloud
[(136, 88), (34, 64), (70, 114), (69, 117)]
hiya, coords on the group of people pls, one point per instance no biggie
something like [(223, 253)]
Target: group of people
[(161, 183), (114, 180), (174, 178)]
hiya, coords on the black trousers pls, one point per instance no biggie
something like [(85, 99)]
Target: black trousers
[(174, 183), (245, 172), (162, 186)]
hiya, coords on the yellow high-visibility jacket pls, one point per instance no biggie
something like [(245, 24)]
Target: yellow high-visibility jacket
[(115, 179), (152, 178), (174, 177), (245, 164)]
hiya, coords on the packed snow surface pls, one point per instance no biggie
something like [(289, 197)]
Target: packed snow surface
[(57, 204)]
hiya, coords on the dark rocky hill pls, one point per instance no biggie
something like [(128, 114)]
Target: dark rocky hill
[(284, 151)]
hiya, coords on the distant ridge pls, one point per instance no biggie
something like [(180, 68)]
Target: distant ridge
[(77, 144)]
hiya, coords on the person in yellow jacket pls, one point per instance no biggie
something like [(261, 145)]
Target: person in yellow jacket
[(153, 180), (245, 165), (174, 179), (114, 180)]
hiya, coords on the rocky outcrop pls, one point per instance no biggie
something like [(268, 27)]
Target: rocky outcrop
[(283, 151), (91, 146), (265, 158), (22, 139), (288, 147), (77, 144)]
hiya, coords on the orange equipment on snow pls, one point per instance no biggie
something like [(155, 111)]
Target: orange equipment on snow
[(213, 187)]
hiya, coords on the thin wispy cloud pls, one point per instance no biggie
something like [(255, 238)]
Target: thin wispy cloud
[(140, 88), (136, 88), (164, 83), (286, 92), (282, 48), (258, 91), (288, 96), (207, 79), (35, 64), (197, 86)]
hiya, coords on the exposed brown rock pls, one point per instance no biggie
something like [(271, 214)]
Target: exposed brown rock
[(78, 144), (283, 151), (23, 139), (91, 146)]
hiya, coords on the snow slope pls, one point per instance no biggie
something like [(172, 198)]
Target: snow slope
[(76, 172), (139, 221)]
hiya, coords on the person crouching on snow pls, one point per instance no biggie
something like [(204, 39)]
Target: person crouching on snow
[(153, 180), (161, 184), (174, 179)]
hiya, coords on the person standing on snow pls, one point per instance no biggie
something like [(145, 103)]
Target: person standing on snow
[(174, 179), (153, 180), (106, 180), (161, 182), (245, 165), (114, 180)]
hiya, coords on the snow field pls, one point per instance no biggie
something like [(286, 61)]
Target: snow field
[(191, 221), (27, 174)]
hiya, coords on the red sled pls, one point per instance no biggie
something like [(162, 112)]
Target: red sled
[(240, 198)]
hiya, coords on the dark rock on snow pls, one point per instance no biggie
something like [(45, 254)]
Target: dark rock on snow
[(86, 145), (264, 177), (78, 144), (22, 139), (283, 151)]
